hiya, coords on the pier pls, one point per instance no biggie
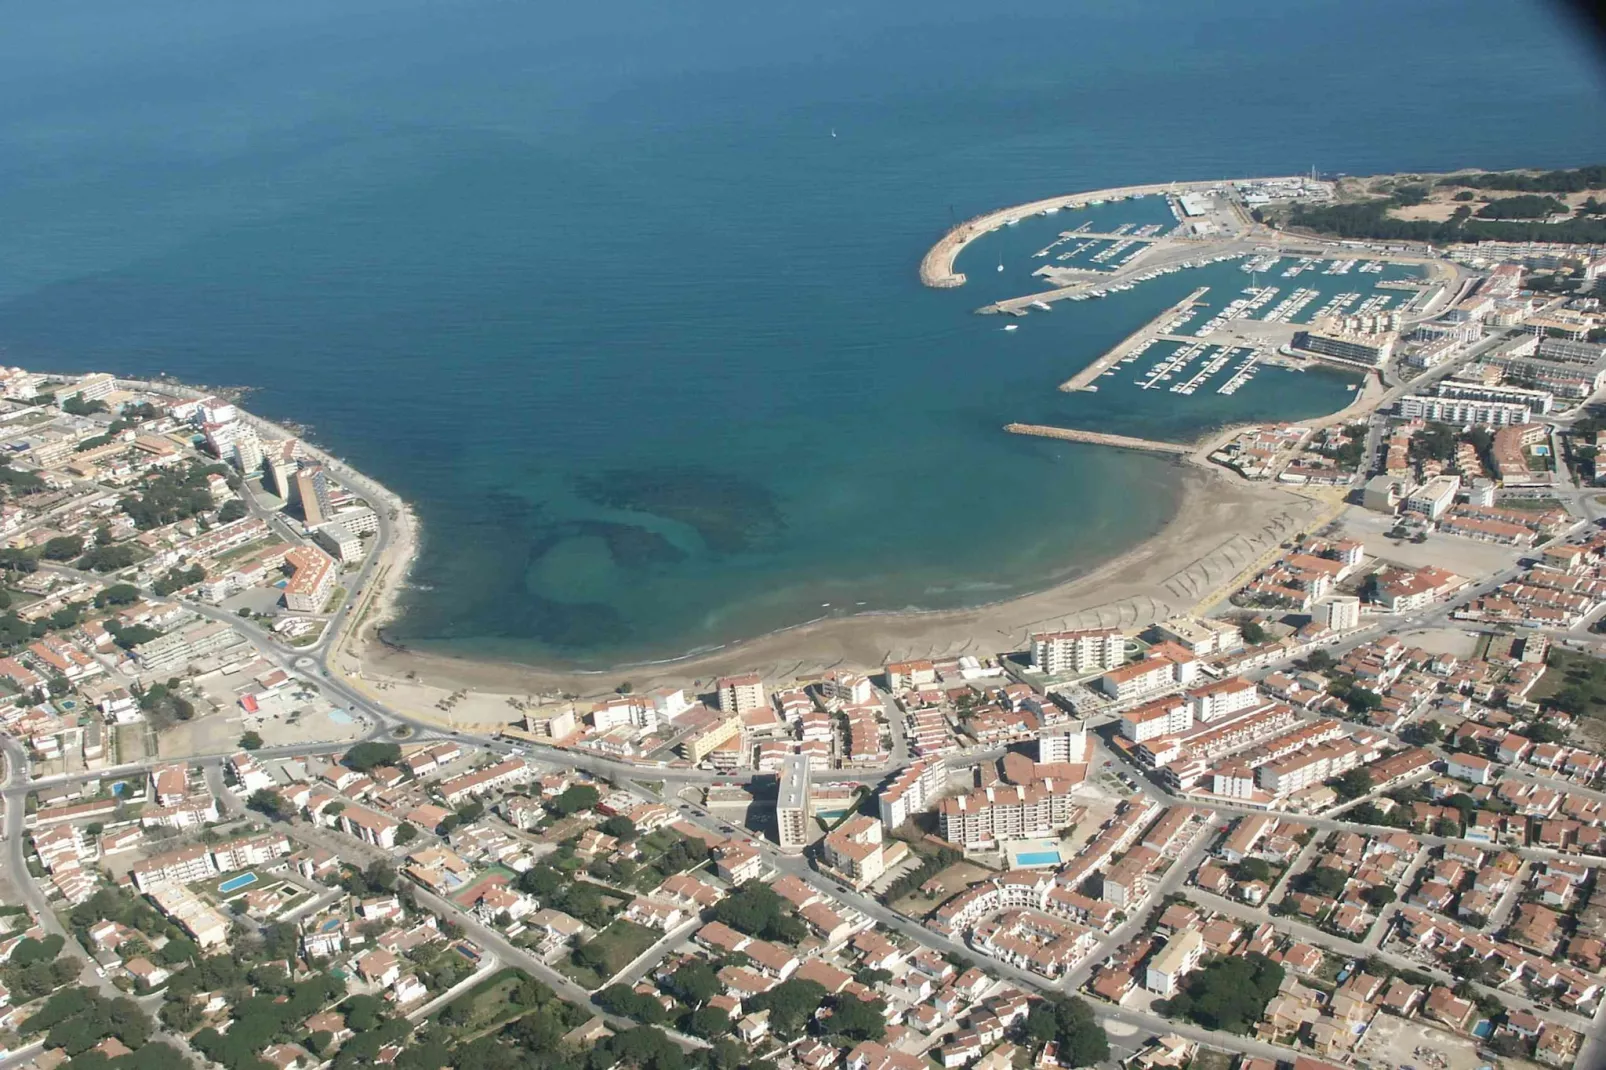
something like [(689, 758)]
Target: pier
[(1152, 330), (1098, 438), (937, 266)]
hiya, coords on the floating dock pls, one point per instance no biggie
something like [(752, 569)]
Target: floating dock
[(1098, 438), (1083, 379)]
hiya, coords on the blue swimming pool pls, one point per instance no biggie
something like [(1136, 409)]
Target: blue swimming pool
[(1038, 858), (830, 815), (234, 884)]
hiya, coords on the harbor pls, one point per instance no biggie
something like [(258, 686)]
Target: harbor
[(1136, 342)]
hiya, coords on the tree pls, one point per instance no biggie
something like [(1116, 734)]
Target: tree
[(708, 1022), (1229, 993), (107, 558), (270, 802), (1319, 661), (1253, 633), (694, 984), (1379, 896), (371, 753), (792, 1004), (619, 826), (572, 801), (1353, 784), (1324, 880), (626, 1001), (858, 1019), (118, 594), (407, 833), (232, 510), (63, 548), (756, 909), (1253, 869)]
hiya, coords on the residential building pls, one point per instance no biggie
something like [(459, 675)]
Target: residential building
[(738, 694), (913, 790), (1180, 955), (1093, 650), (792, 803)]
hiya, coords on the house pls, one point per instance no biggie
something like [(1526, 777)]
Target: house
[(1447, 1007), (147, 972), (379, 968)]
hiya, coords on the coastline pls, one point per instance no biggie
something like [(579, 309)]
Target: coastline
[(1220, 528)]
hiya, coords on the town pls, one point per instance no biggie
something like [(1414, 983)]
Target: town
[(1350, 811)]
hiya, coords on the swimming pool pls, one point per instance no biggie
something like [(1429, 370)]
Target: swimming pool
[(339, 716), (234, 884), (830, 815), (1038, 858)]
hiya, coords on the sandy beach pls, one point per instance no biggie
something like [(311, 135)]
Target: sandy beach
[(1222, 528)]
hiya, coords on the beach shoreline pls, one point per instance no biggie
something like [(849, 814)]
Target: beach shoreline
[(1220, 526)]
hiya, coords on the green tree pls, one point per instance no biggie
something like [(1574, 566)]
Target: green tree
[(371, 753), (270, 802), (251, 741), (620, 827), (707, 1022), (575, 799), (62, 548), (406, 834), (858, 1019), (1353, 784), (232, 510)]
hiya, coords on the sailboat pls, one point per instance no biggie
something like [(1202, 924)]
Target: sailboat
[(1000, 261), (833, 131)]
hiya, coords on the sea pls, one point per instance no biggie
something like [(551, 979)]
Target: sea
[(623, 297)]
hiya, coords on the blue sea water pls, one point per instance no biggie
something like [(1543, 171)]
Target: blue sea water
[(596, 287)]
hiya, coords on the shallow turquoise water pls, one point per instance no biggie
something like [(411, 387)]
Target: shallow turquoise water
[(599, 291)]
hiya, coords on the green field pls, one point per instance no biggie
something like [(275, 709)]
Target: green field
[(615, 947)]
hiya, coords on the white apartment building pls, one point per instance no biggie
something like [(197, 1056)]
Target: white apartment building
[(1162, 717), (1087, 651), (1223, 698), (848, 688), (738, 694), (792, 804), (1180, 954), (913, 790), (1341, 612), (1434, 498), (986, 816), (1063, 743), (1461, 411)]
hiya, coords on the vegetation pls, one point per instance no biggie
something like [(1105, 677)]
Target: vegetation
[(1576, 684), (1323, 880), (251, 741), (578, 899), (1522, 206), (118, 594), (575, 799), (932, 865), (179, 578), (1069, 1022), (755, 909), (610, 951), (171, 496), (232, 510), (371, 754), (270, 802), (1353, 784), (108, 558), (62, 548), (1575, 180), (1229, 993), (1370, 220), (792, 1005)]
